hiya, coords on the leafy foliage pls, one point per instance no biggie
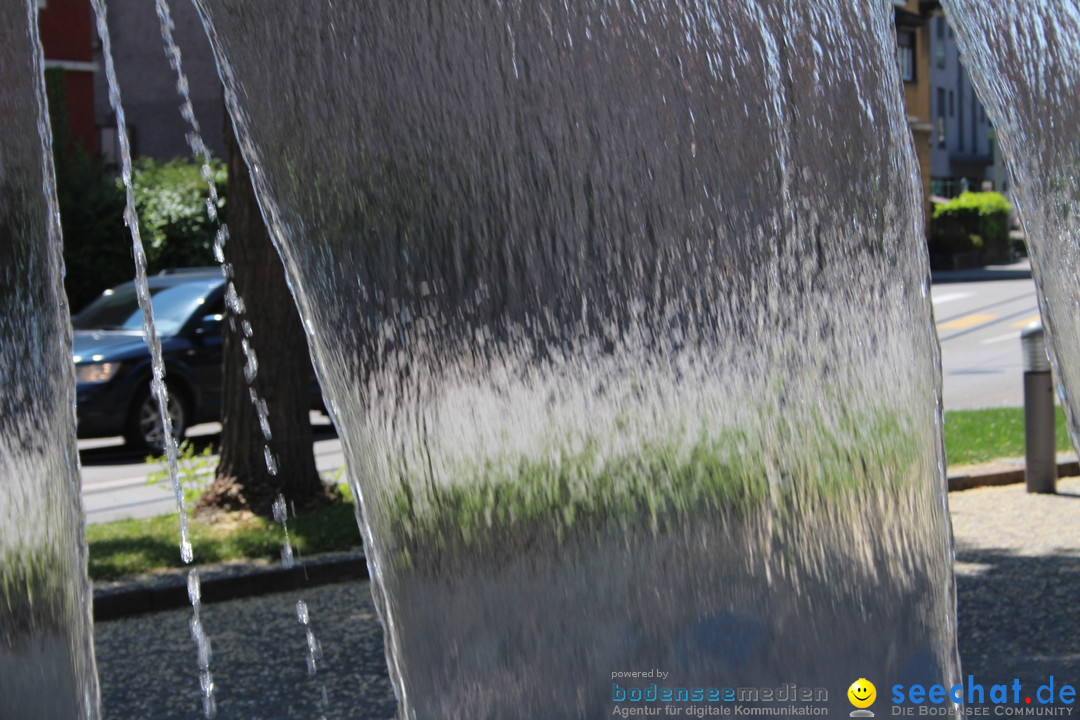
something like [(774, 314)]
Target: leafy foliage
[(171, 202), (972, 221), (194, 470)]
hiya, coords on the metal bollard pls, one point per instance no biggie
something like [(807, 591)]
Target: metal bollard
[(1039, 436)]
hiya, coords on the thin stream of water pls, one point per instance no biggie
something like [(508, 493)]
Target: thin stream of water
[(141, 286), (154, 342), (238, 306), (232, 297), (314, 651)]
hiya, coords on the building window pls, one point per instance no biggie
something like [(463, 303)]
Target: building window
[(905, 54), (960, 124), (941, 117), (939, 46), (974, 123)]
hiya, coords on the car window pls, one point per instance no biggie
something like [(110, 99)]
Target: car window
[(118, 309), (215, 308)]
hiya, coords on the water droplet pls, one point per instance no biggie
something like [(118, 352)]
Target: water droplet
[(280, 510), (204, 651), (194, 586), (271, 461)]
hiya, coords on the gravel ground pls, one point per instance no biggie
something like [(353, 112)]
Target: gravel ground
[(1018, 582), (1018, 577), (147, 664)]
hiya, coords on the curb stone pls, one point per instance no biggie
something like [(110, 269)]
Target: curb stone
[(1005, 476), (168, 590)]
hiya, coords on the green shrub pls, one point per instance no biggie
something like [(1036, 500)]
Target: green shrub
[(972, 221), (170, 199), (195, 470), (171, 202)]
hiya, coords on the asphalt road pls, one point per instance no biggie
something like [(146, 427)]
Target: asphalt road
[(116, 484), (979, 324)]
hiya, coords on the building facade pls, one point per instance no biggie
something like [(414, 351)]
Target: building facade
[(913, 58), (67, 37), (962, 152), (148, 84)]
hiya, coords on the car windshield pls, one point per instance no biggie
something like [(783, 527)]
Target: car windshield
[(118, 309)]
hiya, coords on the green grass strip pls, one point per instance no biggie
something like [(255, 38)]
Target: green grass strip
[(976, 436), (494, 510), (539, 500), (130, 547)]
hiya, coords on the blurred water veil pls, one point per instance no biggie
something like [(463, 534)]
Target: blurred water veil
[(1026, 72), (622, 310), (46, 651)]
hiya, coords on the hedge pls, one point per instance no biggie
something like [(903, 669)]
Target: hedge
[(974, 221)]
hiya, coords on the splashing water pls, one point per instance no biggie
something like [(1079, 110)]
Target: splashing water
[(1027, 73), (198, 634), (141, 287), (47, 665), (239, 309), (314, 651), (281, 516), (622, 310)]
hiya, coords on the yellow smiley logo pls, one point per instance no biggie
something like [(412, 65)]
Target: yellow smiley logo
[(862, 693)]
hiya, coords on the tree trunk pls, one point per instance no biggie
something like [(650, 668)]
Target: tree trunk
[(284, 379)]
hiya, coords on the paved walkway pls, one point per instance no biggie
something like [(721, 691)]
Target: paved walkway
[(1018, 579)]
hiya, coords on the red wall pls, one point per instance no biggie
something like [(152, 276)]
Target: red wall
[(66, 28)]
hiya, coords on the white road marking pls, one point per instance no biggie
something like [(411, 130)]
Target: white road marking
[(942, 299), (1000, 338)]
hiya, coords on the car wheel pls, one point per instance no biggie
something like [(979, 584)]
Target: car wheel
[(144, 428)]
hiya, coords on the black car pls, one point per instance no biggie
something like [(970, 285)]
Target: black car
[(112, 360)]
